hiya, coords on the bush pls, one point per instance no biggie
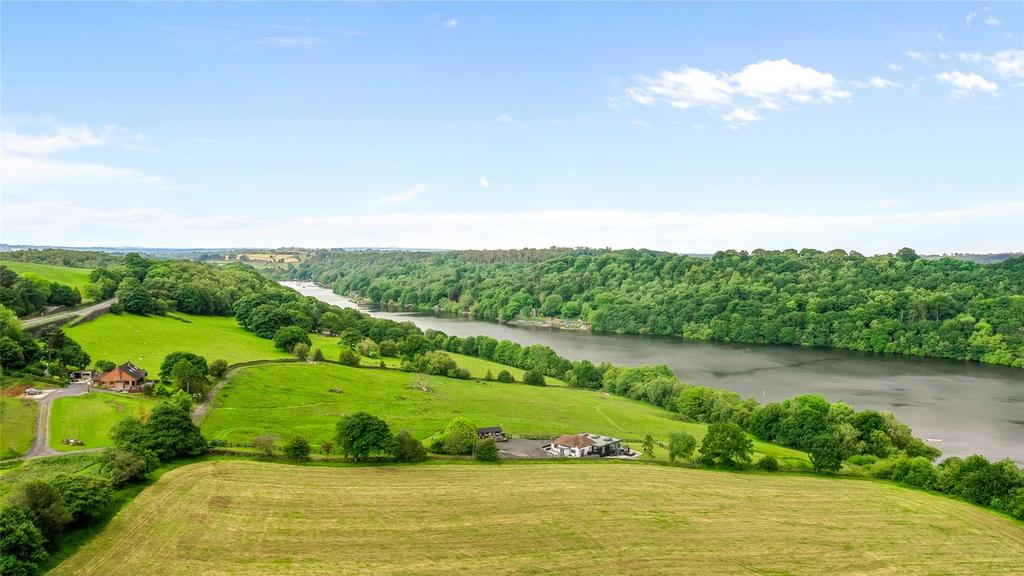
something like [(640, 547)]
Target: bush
[(218, 368), (768, 463), (264, 443), (917, 471), (84, 495), (680, 445), (458, 438), (487, 451), (863, 459), (297, 449), (318, 355), (301, 351), (408, 449), (505, 376), (124, 465), (348, 358), (533, 378), (21, 543), (327, 447)]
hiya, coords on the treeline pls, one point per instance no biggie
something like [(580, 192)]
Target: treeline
[(897, 303), (53, 353), (62, 257), (27, 294)]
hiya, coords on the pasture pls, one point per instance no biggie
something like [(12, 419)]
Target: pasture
[(308, 399), (17, 425), (145, 340), (244, 517), (75, 277), (90, 417)]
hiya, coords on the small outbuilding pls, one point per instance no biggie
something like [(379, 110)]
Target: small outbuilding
[(491, 432), (125, 378)]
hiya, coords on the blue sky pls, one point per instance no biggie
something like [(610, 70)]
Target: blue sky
[(686, 127)]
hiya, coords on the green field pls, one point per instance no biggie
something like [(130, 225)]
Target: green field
[(90, 417), (74, 277), (246, 518), (145, 340), (17, 425), (290, 399)]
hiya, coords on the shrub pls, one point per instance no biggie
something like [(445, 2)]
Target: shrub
[(533, 378), (917, 471), (505, 376), (768, 463), (326, 447), (287, 337), (408, 449), (487, 451), (863, 459), (44, 506), (348, 358), (218, 368), (124, 465), (648, 447), (459, 437), (318, 355), (264, 443), (680, 445), (21, 543), (301, 351), (84, 495), (297, 449)]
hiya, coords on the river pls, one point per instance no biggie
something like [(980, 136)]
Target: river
[(959, 407)]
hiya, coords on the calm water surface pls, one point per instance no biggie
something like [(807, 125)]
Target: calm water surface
[(960, 407)]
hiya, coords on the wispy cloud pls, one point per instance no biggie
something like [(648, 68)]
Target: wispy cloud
[(510, 121), (876, 82), (285, 41), (767, 85), (971, 16), (895, 67), (484, 183), (401, 197), (967, 84), (992, 21), (31, 157), (241, 37), (881, 230), (450, 23), (921, 57)]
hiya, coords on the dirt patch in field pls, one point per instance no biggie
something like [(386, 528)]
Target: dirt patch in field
[(16, 390)]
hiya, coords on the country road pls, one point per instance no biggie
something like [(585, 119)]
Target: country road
[(81, 312)]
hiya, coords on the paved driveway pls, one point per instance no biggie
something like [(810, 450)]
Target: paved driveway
[(41, 444)]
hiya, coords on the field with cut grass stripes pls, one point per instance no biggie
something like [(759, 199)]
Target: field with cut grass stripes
[(246, 518), (308, 399)]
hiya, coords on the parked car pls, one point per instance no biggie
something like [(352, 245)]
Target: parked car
[(32, 392)]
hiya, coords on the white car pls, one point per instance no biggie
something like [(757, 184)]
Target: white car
[(32, 392)]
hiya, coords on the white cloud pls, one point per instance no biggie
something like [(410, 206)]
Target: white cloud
[(895, 67), (740, 117), (1008, 63), (880, 230), (881, 83), (510, 121), (29, 158), (640, 123), (484, 183), (970, 56), (767, 85), (450, 23), (992, 21), (966, 84), (401, 197), (970, 17), (918, 56)]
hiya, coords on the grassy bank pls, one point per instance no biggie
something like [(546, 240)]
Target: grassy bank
[(588, 518), (74, 277), (308, 399)]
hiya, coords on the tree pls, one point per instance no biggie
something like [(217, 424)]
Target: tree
[(264, 443), (318, 355), (21, 543), (134, 297), (489, 375), (124, 465), (680, 445), (187, 377), (458, 438), (218, 368), (348, 357), (175, 358), (170, 433), (533, 378), (768, 463), (84, 495), (297, 449), (408, 449), (287, 337), (105, 365), (487, 451), (505, 376), (361, 434), (45, 507), (11, 356), (586, 375), (826, 452), (648, 447), (726, 444), (301, 351)]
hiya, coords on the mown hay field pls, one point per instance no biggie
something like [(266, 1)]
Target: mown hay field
[(243, 517)]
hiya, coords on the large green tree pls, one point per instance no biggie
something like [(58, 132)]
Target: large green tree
[(361, 434)]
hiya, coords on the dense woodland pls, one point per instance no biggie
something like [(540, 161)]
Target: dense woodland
[(27, 294), (897, 303)]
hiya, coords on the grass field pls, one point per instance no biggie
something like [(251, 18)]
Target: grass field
[(17, 425), (290, 399), (74, 277), (145, 340), (90, 417), (242, 518)]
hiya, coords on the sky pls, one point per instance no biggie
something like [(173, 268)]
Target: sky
[(687, 127)]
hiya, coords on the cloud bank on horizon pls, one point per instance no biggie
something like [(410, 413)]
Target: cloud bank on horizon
[(681, 127)]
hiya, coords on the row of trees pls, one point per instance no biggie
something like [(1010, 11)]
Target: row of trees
[(898, 303), (53, 352), (27, 293)]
